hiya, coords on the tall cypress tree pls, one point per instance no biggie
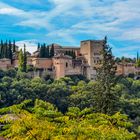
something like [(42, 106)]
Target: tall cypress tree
[(52, 51), (38, 47), (21, 61), (2, 49), (48, 51), (10, 51), (25, 59), (44, 51), (105, 98), (5, 51), (14, 46), (137, 56), (41, 52), (74, 55)]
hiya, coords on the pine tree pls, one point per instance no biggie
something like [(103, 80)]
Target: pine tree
[(25, 59), (21, 61), (105, 98), (52, 51)]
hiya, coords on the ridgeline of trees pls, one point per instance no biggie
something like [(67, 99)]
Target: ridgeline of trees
[(7, 49), (70, 108), (71, 53), (45, 51)]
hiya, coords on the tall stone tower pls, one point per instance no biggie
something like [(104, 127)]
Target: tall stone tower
[(91, 50)]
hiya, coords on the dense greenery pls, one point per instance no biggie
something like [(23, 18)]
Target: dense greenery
[(71, 53), (125, 59), (75, 95)]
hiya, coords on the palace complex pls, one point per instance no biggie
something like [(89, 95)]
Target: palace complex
[(85, 61)]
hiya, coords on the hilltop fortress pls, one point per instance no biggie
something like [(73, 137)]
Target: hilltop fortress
[(86, 60)]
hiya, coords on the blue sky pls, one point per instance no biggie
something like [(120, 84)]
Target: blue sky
[(67, 22)]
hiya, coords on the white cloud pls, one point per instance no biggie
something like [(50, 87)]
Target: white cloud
[(31, 45)]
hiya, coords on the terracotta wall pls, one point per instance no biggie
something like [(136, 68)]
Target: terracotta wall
[(5, 64), (44, 63)]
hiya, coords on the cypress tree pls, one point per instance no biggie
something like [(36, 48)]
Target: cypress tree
[(21, 61), (6, 50), (2, 49), (74, 55), (52, 51), (14, 46), (41, 52), (44, 51), (25, 59), (10, 51), (105, 98), (47, 51), (137, 56), (38, 47), (66, 52)]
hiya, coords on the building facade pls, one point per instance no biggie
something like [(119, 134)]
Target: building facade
[(87, 59)]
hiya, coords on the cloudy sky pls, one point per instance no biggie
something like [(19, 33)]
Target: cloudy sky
[(67, 22)]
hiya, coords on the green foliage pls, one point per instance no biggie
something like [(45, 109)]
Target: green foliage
[(45, 122), (75, 98), (22, 60)]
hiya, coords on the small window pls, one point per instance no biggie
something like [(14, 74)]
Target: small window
[(66, 64)]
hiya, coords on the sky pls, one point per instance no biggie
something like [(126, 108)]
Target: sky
[(67, 22)]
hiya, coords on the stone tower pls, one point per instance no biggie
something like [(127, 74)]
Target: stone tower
[(91, 50)]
